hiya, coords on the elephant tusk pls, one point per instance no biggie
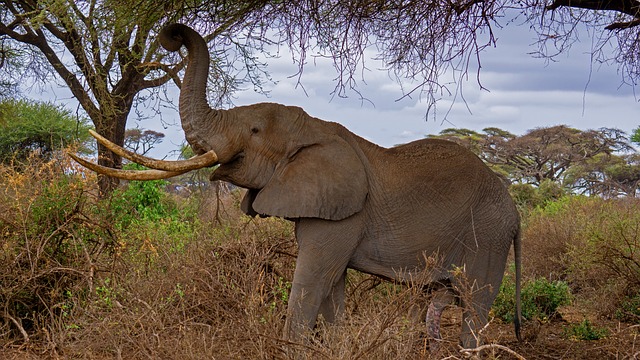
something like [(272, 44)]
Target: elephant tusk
[(140, 175), (181, 166)]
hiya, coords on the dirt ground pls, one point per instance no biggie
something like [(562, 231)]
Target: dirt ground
[(540, 341), (548, 340)]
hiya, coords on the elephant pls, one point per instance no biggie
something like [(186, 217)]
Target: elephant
[(354, 204)]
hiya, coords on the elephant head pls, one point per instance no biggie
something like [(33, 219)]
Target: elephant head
[(293, 164)]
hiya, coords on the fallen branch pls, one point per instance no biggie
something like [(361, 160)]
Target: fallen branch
[(19, 326), (470, 352)]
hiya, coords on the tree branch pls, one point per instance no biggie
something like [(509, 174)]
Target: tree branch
[(629, 7), (69, 78), (623, 25)]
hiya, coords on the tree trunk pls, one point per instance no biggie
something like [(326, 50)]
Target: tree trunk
[(112, 127)]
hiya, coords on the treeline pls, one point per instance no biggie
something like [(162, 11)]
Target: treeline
[(600, 162)]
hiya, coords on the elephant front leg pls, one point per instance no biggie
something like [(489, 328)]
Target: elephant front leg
[(302, 310), (309, 298), (332, 307), (325, 248)]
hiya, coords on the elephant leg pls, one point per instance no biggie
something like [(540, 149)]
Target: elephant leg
[(441, 298), (333, 305), (475, 316), (477, 294), (324, 250)]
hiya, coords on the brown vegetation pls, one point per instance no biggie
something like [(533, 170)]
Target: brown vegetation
[(90, 279)]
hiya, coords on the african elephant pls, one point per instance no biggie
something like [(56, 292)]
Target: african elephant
[(354, 204)]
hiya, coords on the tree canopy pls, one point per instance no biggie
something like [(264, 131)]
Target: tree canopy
[(635, 137), (598, 162), (42, 128), (141, 141)]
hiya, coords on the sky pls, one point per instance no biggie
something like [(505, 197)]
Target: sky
[(520, 93)]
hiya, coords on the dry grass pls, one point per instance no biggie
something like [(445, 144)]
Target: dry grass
[(76, 283), (592, 243)]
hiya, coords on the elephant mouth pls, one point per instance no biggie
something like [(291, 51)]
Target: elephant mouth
[(235, 161), (226, 168), (159, 169)]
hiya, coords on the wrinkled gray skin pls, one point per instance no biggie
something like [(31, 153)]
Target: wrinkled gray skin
[(355, 204)]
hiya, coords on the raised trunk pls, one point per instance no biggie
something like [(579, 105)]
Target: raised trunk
[(195, 112)]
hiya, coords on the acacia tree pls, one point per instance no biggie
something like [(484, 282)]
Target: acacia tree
[(607, 175), (28, 127), (141, 141), (106, 52), (542, 154)]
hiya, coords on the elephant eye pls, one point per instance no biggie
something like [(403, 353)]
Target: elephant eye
[(255, 130)]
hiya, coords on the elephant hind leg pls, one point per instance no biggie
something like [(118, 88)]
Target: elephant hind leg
[(475, 317), (440, 299)]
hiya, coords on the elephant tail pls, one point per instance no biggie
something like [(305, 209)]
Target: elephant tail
[(517, 249)]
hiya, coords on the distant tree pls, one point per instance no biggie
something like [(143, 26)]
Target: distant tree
[(635, 137), (141, 141), (607, 175), (540, 154), (547, 153), (42, 128)]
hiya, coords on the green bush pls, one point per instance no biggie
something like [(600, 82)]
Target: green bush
[(547, 296), (38, 127), (584, 331), (629, 309), (141, 200), (528, 197), (541, 299)]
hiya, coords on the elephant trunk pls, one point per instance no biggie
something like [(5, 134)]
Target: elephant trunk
[(195, 113)]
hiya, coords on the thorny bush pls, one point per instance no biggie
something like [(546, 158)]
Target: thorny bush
[(49, 245)]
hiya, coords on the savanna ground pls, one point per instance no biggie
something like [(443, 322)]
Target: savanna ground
[(154, 274)]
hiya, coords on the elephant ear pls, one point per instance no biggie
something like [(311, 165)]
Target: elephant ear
[(324, 180)]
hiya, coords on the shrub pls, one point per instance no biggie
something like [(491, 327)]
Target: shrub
[(528, 197), (541, 299), (140, 200), (591, 243), (546, 296), (49, 246), (584, 331), (629, 309)]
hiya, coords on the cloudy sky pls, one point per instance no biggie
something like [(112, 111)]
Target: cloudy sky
[(522, 93)]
